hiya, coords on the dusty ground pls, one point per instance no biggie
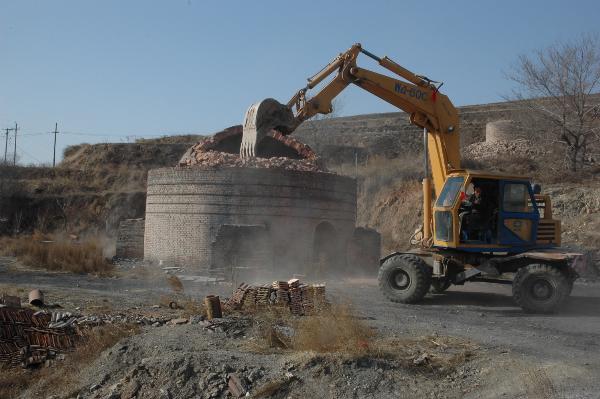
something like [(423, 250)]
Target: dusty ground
[(511, 354)]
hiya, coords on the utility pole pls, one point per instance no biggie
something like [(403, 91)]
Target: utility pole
[(55, 132), (6, 144), (15, 153)]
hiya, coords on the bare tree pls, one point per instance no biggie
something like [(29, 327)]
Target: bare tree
[(67, 208), (18, 222), (557, 83)]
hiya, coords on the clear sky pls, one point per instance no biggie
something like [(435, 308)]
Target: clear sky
[(108, 70)]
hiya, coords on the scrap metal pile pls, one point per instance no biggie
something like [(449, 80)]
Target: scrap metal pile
[(206, 153), (301, 299)]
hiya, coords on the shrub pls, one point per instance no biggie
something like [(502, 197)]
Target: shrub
[(60, 255)]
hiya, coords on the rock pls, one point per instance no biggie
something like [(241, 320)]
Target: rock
[(422, 359), (237, 388), (178, 321), (226, 368), (94, 387), (254, 375), (130, 391)]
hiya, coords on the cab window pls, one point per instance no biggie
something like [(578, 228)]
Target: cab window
[(516, 198), (450, 191)]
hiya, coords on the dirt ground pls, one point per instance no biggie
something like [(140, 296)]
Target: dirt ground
[(505, 353)]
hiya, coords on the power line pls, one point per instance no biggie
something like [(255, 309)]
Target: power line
[(29, 155), (35, 134)]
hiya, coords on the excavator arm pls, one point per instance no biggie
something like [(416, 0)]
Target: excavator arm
[(416, 95)]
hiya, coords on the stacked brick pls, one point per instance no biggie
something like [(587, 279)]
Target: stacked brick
[(237, 298), (263, 295), (282, 297), (27, 339), (301, 299)]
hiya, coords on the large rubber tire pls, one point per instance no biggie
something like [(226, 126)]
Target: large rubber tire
[(404, 278), (540, 288), (439, 286)]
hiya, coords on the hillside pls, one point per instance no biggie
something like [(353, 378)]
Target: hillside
[(97, 185)]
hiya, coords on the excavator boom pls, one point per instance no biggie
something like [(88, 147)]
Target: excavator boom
[(416, 95)]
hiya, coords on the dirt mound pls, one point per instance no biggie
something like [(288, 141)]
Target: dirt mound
[(138, 155), (498, 149), (189, 360)]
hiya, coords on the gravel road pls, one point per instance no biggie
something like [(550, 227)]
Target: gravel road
[(562, 349), (566, 345)]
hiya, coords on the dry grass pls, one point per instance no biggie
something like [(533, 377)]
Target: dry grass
[(59, 255), (175, 284), (192, 307), (383, 173), (62, 376), (185, 305), (337, 334), (334, 330), (394, 212), (272, 387), (426, 353), (389, 194), (13, 290)]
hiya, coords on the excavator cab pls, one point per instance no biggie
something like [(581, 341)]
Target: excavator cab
[(486, 213)]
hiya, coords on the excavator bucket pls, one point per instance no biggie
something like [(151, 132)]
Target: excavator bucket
[(260, 119)]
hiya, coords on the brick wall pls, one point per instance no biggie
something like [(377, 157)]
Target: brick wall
[(186, 207), (130, 239)]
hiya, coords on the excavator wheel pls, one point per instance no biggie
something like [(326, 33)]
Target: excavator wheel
[(404, 278), (439, 286), (540, 288)]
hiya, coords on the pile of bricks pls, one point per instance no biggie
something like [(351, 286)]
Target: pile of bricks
[(206, 154), (26, 338), (219, 159), (300, 299)]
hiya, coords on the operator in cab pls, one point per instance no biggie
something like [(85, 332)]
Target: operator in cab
[(476, 211)]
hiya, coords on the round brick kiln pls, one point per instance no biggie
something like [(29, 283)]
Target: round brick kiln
[(269, 219)]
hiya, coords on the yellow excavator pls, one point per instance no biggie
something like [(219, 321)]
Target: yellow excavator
[(477, 226)]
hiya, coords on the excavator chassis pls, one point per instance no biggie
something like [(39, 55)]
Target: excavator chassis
[(541, 280)]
